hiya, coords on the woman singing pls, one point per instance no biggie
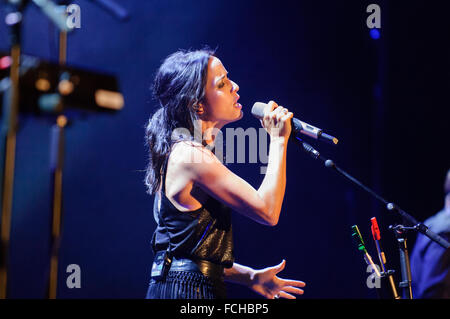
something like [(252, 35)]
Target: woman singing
[(195, 193)]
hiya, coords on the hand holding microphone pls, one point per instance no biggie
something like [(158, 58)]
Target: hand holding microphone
[(276, 120), (299, 127)]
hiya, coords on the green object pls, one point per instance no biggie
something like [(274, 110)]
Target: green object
[(356, 235)]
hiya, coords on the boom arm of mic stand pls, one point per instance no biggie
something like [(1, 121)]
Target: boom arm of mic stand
[(423, 229)]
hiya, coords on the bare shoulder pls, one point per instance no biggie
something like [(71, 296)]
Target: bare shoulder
[(180, 178), (192, 166), (188, 153), (192, 159)]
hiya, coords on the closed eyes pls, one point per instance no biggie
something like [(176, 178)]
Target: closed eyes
[(224, 82)]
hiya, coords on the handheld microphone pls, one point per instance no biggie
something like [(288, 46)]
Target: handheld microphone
[(299, 127)]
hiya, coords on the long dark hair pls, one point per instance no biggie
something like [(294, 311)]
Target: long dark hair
[(179, 85)]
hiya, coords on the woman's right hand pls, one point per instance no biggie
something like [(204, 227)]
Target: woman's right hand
[(277, 121)]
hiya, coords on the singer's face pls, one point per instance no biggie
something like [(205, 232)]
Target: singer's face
[(221, 98)]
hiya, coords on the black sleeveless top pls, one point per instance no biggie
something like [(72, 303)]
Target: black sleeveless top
[(205, 233)]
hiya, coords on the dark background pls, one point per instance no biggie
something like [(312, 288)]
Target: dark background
[(386, 100)]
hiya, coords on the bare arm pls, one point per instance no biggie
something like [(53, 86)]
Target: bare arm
[(262, 205), (264, 281), (240, 274), (273, 187)]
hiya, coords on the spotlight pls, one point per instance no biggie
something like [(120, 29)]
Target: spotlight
[(375, 34)]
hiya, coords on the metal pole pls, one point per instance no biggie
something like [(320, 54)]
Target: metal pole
[(9, 132)]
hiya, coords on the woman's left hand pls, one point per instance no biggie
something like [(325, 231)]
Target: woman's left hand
[(266, 283)]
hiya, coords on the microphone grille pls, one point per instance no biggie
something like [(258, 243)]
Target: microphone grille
[(258, 109)]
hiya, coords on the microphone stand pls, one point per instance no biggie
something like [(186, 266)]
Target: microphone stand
[(400, 229), (113, 8), (8, 140), (56, 169), (400, 234), (57, 158), (10, 126)]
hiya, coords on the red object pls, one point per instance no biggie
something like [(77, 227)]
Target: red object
[(375, 229), (5, 62)]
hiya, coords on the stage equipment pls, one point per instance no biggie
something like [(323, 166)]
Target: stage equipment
[(414, 225), (113, 8), (400, 234), (382, 257), (39, 88), (357, 238)]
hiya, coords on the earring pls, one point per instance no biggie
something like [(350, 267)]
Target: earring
[(197, 108)]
